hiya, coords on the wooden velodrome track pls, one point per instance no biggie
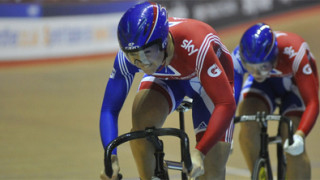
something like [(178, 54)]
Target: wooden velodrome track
[(49, 114)]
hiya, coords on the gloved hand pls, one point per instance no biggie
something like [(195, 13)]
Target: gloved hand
[(197, 164), (296, 148), (115, 168)]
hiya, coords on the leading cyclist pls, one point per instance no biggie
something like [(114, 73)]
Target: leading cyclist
[(282, 70), (180, 57)]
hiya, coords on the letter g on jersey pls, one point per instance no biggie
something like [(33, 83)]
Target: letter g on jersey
[(214, 70), (307, 69)]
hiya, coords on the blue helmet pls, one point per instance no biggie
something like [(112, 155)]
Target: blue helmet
[(143, 25), (258, 45)]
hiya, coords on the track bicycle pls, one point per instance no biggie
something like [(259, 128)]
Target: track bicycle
[(152, 134), (262, 167)]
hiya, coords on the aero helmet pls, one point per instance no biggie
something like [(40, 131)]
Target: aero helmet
[(258, 45), (143, 25)]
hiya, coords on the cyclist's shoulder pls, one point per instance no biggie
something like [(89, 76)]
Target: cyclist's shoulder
[(123, 66), (237, 64), (288, 41)]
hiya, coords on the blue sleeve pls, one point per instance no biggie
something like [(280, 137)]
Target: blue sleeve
[(239, 72), (117, 89), (238, 79)]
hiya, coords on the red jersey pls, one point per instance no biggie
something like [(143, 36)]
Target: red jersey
[(199, 52)]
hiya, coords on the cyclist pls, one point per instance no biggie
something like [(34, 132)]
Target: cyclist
[(180, 57), (282, 71)]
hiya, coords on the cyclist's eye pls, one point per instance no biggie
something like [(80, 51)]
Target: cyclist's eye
[(147, 51), (148, 54)]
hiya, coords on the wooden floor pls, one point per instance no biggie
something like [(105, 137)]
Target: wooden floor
[(49, 115)]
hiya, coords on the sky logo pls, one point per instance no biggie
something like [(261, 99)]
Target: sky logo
[(189, 47)]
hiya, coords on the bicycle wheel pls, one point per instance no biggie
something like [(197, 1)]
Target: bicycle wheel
[(261, 170)]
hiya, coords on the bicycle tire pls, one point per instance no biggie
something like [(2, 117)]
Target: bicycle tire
[(260, 170), (282, 163)]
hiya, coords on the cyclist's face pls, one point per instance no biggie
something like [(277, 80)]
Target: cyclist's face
[(260, 72), (148, 59)]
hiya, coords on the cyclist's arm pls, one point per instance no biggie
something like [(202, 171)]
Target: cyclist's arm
[(307, 82), (219, 88), (116, 92), (238, 80)]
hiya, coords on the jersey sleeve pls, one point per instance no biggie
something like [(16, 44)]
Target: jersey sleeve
[(306, 77), (216, 76), (117, 89), (239, 72)]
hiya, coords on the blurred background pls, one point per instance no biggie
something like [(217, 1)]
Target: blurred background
[(42, 29), (55, 60)]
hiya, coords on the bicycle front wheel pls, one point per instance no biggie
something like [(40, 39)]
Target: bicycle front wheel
[(261, 170), (282, 163)]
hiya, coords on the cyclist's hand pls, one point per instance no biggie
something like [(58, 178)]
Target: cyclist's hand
[(297, 147), (115, 168), (197, 164)]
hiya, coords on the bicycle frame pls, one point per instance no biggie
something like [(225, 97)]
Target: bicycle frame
[(263, 119)]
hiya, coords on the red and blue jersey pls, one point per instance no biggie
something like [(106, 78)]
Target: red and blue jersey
[(294, 61), (198, 52)]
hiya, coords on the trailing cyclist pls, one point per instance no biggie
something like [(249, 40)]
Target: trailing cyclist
[(282, 71)]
